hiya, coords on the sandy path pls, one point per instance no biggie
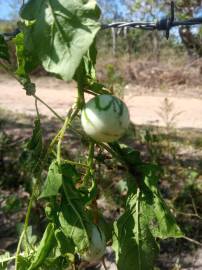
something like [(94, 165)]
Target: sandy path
[(144, 109)]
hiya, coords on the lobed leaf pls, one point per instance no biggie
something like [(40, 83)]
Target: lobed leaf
[(133, 241), (146, 218)]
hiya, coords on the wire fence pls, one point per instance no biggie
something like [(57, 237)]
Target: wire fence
[(164, 24)]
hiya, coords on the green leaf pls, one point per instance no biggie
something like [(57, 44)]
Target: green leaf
[(53, 181), (65, 244), (55, 177), (26, 63), (157, 214), (23, 263), (4, 260), (33, 152), (29, 240), (90, 62), (74, 220), (46, 245), (4, 53), (146, 218), (61, 32), (133, 241)]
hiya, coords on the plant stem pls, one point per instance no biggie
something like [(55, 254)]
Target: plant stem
[(192, 241), (37, 109), (45, 104), (89, 171), (74, 163), (138, 227), (26, 224), (68, 120)]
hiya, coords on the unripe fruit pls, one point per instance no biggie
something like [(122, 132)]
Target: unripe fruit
[(105, 118), (97, 245)]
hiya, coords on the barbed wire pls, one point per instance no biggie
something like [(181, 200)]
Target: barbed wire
[(164, 24)]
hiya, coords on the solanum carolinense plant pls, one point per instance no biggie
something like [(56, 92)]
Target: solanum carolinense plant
[(60, 35)]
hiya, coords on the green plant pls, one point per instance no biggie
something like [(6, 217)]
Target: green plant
[(60, 35)]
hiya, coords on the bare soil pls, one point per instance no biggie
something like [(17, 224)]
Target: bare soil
[(146, 106)]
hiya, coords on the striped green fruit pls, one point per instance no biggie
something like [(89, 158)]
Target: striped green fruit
[(105, 118)]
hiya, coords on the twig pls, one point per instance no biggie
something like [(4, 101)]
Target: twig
[(192, 241)]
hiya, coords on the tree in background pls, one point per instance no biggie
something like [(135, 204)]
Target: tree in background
[(185, 9)]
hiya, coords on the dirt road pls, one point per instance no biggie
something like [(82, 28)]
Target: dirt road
[(144, 109)]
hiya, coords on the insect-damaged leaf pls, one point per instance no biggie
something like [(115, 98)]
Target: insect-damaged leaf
[(60, 32)]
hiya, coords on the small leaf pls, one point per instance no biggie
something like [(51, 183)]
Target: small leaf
[(157, 214), (4, 53), (26, 63), (33, 152), (61, 33), (46, 245), (53, 181), (55, 177)]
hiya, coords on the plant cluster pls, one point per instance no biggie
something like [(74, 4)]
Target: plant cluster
[(61, 36)]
